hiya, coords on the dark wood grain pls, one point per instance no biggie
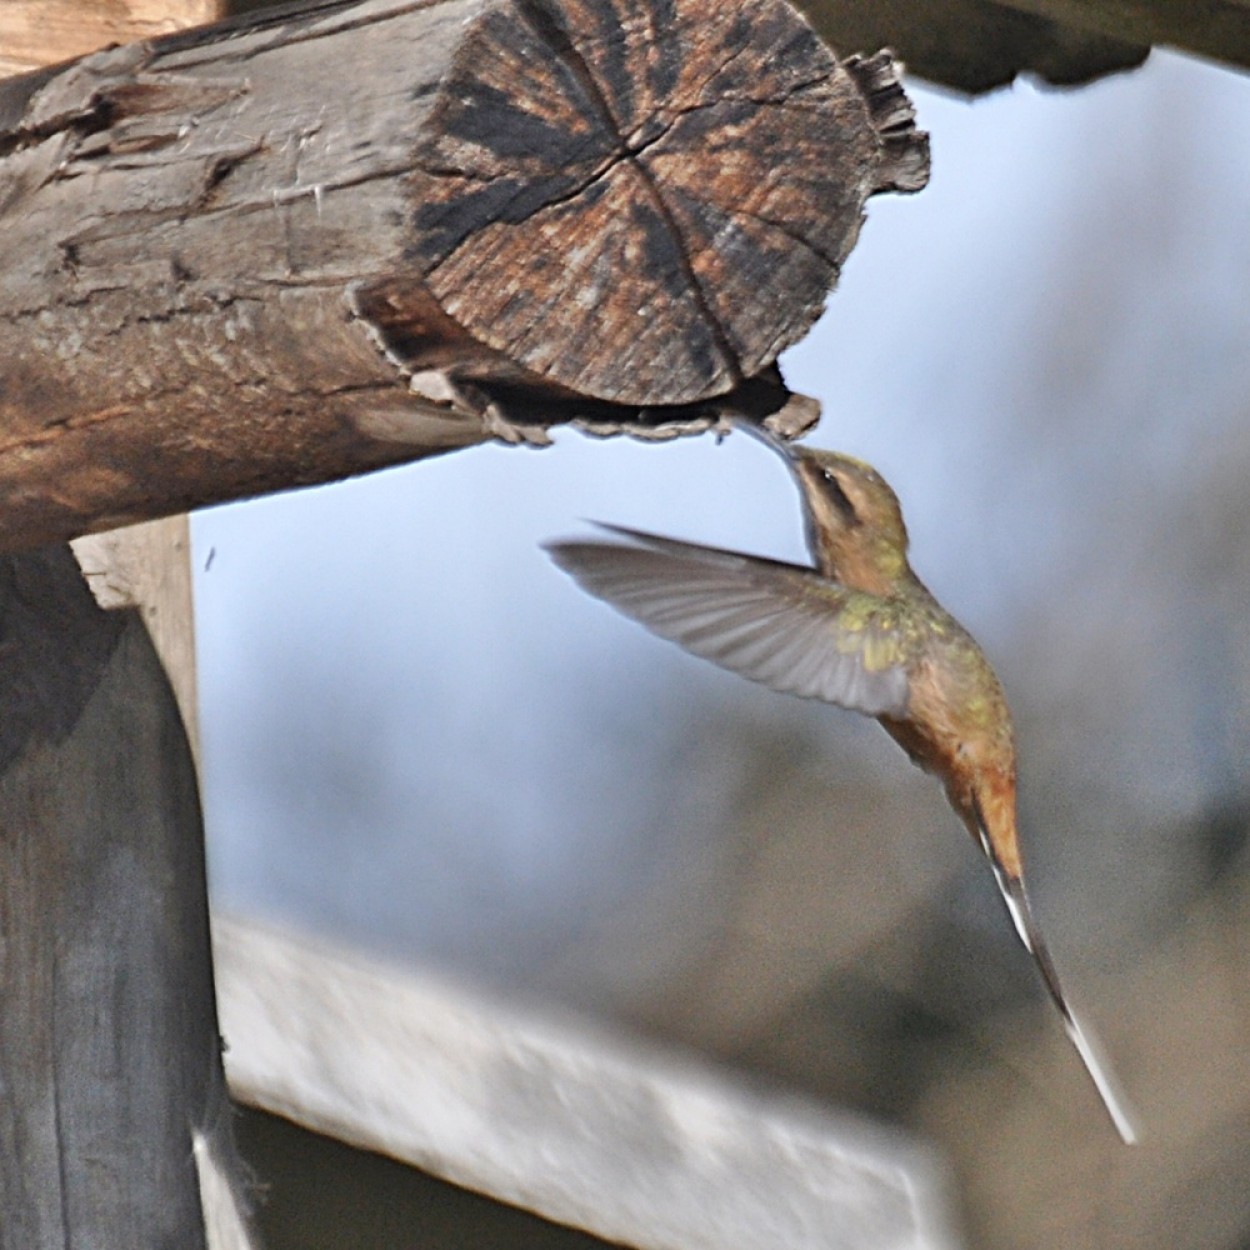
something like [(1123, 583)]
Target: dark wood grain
[(646, 204), (290, 249)]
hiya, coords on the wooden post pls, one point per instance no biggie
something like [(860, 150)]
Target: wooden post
[(114, 1120), (108, 1039), (267, 254)]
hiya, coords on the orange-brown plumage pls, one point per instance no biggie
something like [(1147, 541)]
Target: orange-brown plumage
[(860, 630)]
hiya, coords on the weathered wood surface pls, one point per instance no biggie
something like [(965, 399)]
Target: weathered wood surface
[(977, 45), (626, 1142), (116, 1124), (1219, 29), (148, 567), (972, 45), (108, 1037), (250, 258), (42, 32)]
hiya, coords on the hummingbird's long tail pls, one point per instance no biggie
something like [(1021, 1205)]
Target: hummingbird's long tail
[(1018, 905)]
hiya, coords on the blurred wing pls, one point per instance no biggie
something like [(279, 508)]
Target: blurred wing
[(775, 623)]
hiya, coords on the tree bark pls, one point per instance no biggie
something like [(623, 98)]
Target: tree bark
[(286, 250)]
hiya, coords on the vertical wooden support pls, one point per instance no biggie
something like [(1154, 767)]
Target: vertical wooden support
[(148, 567), (114, 1118), (108, 1040)]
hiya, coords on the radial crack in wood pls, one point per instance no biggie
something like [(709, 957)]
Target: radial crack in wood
[(646, 204), (231, 266)]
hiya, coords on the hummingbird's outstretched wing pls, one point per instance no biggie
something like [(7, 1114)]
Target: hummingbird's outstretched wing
[(779, 624)]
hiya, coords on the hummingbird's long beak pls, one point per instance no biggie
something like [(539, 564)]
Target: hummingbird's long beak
[(764, 435)]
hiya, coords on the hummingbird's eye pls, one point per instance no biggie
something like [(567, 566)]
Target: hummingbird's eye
[(840, 498)]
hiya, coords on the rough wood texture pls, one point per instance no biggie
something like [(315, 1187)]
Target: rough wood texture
[(233, 266), (977, 45), (41, 32), (1219, 29), (108, 1039), (148, 567), (113, 1091), (623, 1141), (645, 205)]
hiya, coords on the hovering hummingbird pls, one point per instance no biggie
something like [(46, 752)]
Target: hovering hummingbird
[(860, 630)]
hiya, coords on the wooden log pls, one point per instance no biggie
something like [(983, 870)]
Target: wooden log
[(978, 45), (1219, 29), (42, 32), (627, 1141), (113, 1120), (281, 251)]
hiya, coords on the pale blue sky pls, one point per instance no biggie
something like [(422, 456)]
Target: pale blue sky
[(418, 731)]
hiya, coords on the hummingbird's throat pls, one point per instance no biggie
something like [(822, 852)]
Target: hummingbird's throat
[(858, 560)]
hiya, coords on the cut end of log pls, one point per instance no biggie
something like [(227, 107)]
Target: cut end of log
[(646, 204), (226, 274)]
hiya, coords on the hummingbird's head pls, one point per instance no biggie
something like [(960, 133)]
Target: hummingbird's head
[(855, 524)]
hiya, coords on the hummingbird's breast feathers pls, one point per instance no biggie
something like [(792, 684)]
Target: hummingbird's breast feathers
[(956, 693)]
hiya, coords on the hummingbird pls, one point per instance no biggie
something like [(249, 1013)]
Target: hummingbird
[(857, 629)]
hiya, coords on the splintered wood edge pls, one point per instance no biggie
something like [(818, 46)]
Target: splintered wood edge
[(546, 1113)]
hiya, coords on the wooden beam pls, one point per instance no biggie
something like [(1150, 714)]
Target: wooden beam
[(277, 252), (978, 45), (1219, 29), (625, 1141)]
